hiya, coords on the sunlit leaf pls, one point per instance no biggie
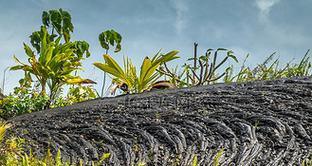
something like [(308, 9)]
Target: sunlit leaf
[(28, 51), (231, 55), (78, 80)]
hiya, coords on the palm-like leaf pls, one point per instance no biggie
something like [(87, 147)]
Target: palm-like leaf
[(148, 73), (3, 128), (55, 62)]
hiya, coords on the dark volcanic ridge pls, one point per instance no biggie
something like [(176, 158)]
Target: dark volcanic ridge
[(259, 123)]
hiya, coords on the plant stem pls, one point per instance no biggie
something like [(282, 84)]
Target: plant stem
[(104, 80), (3, 81), (195, 60), (103, 85)]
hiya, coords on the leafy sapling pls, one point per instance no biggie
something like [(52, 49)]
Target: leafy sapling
[(54, 61), (127, 78), (109, 38)]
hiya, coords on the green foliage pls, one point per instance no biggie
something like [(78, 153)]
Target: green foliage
[(102, 160), (9, 149), (55, 61), (205, 73), (60, 21), (195, 161), (53, 58), (12, 153), (148, 74), (22, 100), (307, 162), (216, 159), (110, 38), (25, 99), (76, 94), (3, 128), (141, 164), (270, 69)]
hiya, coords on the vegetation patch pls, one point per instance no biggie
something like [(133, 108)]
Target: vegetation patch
[(260, 122)]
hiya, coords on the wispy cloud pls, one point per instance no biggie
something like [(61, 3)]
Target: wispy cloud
[(265, 7), (180, 10), (278, 33)]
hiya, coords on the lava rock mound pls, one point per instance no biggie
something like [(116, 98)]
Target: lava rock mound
[(256, 123)]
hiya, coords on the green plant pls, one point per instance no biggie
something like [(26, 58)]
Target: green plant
[(174, 76), (9, 149), (76, 94), (55, 61), (3, 128), (109, 38), (195, 161), (203, 74), (12, 153), (26, 99), (216, 159), (127, 78), (302, 69), (307, 162), (3, 82), (60, 21), (270, 69), (141, 163), (22, 100)]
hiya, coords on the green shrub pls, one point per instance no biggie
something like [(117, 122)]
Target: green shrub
[(202, 72), (54, 62), (270, 69), (126, 78), (22, 100), (76, 94), (25, 99), (205, 69), (13, 154), (307, 162)]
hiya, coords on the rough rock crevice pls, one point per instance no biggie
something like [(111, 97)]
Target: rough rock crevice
[(257, 123)]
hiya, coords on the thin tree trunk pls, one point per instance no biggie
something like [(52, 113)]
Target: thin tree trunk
[(195, 61), (103, 85), (104, 80), (3, 80)]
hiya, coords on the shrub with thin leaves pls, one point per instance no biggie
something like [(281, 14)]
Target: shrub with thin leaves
[(203, 72), (270, 69)]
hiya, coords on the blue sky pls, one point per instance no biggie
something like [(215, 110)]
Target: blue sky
[(258, 27)]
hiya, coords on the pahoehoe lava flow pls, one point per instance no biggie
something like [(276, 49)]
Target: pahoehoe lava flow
[(256, 123)]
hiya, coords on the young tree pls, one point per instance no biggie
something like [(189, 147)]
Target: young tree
[(56, 57), (127, 77), (109, 38)]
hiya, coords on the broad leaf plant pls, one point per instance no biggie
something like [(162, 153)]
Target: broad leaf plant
[(53, 58)]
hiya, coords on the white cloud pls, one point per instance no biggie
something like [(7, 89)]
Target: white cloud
[(289, 36), (265, 7), (180, 9)]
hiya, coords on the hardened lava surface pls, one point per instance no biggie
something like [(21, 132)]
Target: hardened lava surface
[(256, 123)]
